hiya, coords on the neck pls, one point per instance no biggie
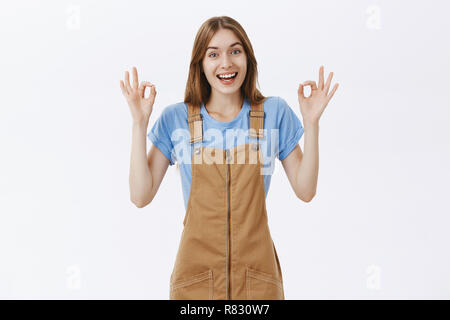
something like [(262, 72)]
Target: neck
[(224, 103)]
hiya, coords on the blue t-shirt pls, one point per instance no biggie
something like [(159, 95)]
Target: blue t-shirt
[(282, 131)]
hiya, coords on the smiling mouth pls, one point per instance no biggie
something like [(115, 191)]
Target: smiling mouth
[(235, 75)]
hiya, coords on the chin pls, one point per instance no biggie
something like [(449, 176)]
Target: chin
[(229, 90)]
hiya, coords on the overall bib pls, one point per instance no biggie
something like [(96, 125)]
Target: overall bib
[(226, 250)]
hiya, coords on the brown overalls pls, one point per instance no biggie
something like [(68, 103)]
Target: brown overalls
[(226, 251)]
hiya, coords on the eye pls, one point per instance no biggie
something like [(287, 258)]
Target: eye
[(216, 53)]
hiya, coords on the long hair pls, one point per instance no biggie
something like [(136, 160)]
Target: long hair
[(198, 88)]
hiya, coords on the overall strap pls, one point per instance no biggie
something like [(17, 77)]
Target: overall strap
[(256, 115), (195, 122)]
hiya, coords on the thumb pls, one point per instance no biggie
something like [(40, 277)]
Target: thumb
[(152, 91), (301, 95), (144, 85)]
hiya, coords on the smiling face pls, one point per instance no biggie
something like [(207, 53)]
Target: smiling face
[(225, 55)]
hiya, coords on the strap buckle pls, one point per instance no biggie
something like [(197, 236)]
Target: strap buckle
[(195, 117), (256, 114)]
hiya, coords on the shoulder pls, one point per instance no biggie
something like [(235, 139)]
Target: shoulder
[(174, 115), (275, 104), (276, 107), (175, 110), (271, 102), (171, 118)]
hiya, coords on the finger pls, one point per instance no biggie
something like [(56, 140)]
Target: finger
[(135, 78), (141, 90), (327, 84), (333, 91), (301, 93), (152, 89), (321, 78), (124, 89), (127, 81), (142, 87), (310, 83)]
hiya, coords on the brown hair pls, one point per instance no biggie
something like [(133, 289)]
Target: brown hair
[(198, 88)]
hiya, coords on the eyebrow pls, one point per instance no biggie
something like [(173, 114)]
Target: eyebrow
[(232, 45)]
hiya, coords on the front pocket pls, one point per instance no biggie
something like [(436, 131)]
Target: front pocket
[(197, 287), (263, 286)]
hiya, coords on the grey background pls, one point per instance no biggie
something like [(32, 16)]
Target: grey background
[(378, 226)]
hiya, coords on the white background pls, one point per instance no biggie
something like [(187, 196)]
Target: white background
[(378, 225)]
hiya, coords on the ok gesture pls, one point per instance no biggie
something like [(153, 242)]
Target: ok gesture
[(140, 107), (312, 107)]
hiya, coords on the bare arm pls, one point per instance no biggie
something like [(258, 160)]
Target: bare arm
[(301, 169), (146, 170)]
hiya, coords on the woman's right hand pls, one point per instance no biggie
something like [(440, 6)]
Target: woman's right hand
[(141, 108)]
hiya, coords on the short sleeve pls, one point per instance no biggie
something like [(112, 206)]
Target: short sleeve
[(160, 134), (290, 129)]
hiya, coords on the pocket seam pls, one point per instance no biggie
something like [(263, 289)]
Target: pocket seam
[(193, 279), (264, 277)]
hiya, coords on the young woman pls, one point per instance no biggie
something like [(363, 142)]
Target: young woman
[(225, 136)]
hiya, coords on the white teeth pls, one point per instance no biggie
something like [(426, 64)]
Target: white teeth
[(227, 76)]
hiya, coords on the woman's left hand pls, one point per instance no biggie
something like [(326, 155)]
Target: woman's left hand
[(312, 107)]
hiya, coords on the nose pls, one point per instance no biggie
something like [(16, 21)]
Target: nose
[(226, 62)]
